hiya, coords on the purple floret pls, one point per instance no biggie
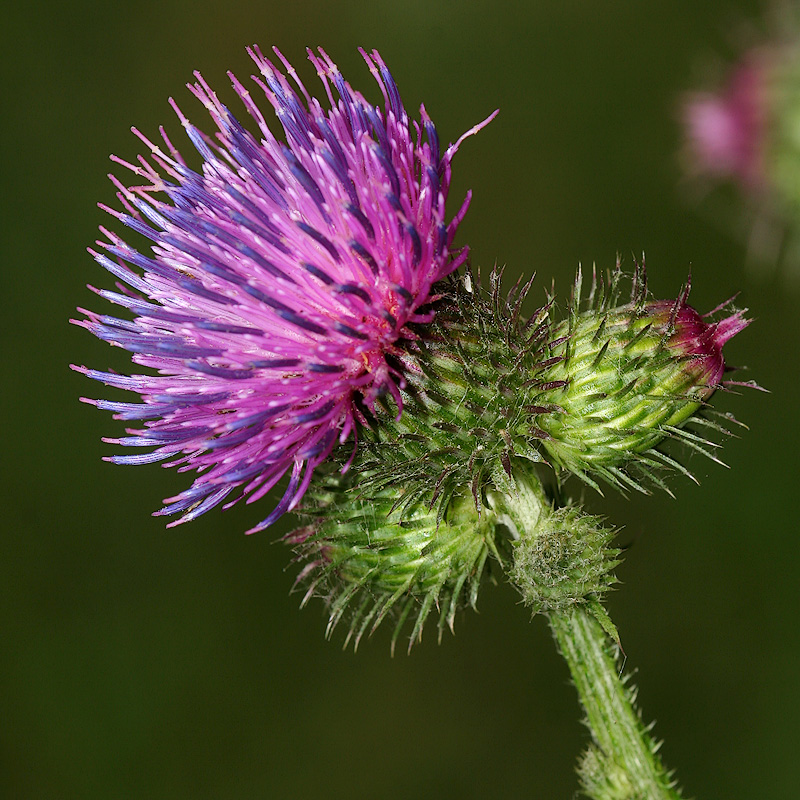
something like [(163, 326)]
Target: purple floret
[(280, 281)]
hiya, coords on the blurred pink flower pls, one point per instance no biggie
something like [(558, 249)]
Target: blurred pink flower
[(725, 130)]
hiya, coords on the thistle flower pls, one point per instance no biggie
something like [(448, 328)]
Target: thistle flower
[(281, 281), (743, 133), (725, 130)]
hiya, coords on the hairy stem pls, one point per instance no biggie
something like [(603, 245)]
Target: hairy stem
[(563, 562), (622, 763)]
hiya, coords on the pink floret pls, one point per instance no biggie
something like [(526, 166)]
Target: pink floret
[(690, 335)]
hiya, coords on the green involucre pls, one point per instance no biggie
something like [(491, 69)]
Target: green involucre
[(368, 560), (621, 380), (565, 560), (621, 392)]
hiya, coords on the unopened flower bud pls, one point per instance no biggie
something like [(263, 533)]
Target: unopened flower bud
[(624, 378), (369, 560), (564, 561)]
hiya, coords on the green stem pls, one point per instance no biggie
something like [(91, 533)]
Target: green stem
[(561, 566), (622, 764)]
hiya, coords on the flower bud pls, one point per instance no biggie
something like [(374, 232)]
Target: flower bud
[(625, 378), (566, 560), (365, 557)]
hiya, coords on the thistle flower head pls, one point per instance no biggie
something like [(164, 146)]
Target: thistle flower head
[(280, 280), (741, 134)]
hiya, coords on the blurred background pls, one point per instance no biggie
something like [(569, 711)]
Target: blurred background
[(138, 662)]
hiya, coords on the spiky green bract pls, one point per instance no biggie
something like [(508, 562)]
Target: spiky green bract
[(623, 378), (468, 400), (411, 524), (566, 560), (368, 560)]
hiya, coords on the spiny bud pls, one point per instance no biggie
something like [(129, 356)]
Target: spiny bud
[(624, 378), (565, 560), (367, 559)]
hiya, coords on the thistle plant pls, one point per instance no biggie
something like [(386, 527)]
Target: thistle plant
[(303, 309)]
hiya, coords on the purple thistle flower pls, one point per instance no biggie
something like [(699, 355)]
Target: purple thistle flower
[(282, 278)]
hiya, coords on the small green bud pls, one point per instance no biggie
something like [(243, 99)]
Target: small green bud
[(565, 560)]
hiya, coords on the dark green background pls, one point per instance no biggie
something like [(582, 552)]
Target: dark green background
[(142, 663)]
